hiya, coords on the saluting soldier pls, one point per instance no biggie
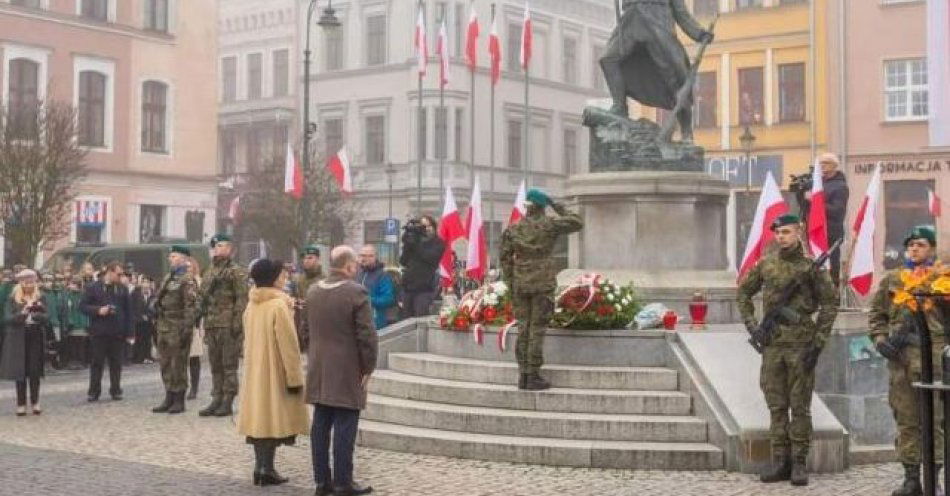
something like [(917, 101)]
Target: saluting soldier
[(530, 273), (176, 306), (894, 335), (787, 376), (223, 300)]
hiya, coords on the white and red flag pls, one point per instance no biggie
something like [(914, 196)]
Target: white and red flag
[(494, 51), (527, 38), (817, 223), (471, 40), (293, 175), (771, 206), (442, 47), (938, 71), (234, 209), (861, 276), (934, 204), (339, 166), (450, 230), (422, 49), (520, 208), (477, 259)]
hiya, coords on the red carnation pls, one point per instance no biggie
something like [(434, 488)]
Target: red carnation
[(490, 313)]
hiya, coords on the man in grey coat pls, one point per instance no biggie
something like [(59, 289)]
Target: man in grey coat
[(341, 358)]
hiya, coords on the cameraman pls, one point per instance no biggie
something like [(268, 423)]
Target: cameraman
[(836, 203), (421, 253)]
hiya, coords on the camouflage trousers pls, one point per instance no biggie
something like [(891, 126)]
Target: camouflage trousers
[(533, 311), (788, 388), (903, 399), (173, 349), (224, 352)]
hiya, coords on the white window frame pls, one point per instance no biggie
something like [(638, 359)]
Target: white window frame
[(44, 4), (171, 16), (82, 63), (247, 75), (237, 78), (909, 89), (169, 117), (110, 210), (272, 55), (110, 9), (38, 55)]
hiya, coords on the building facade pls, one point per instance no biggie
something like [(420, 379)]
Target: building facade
[(141, 80)]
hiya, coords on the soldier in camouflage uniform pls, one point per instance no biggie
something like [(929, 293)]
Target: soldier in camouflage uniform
[(176, 306), (529, 271), (223, 297), (787, 377), (311, 272), (892, 330)]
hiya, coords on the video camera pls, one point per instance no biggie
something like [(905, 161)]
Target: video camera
[(801, 183), (413, 231)]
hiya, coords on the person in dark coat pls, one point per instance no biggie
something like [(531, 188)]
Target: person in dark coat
[(106, 302), (142, 320), (420, 258), (836, 206), (26, 324)]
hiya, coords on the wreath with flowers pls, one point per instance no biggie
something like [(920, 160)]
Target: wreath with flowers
[(593, 302), (489, 305), (933, 280)]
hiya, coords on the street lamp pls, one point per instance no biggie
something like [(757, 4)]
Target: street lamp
[(390, 171), (748, 141), (327, 20)]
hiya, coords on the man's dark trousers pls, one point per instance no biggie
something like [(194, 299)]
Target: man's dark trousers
[(343, 422), (111, 349)]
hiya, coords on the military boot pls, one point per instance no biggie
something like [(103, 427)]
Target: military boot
[(226, 408), (178, 403), (535, 382), (781, 470), (799, 472), (522, 380), (210, 409), (911, 485), (163, 408)]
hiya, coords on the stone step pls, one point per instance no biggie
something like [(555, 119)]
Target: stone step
[(415, 387), (543, 451), (507, 422), (564, 376)]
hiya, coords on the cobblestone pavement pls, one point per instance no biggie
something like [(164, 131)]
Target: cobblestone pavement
[(120, 448)]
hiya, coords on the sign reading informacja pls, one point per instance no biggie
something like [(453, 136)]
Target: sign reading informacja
[(904, 166)]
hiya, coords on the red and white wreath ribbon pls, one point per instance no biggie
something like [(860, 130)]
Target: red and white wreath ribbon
[(503, 335)]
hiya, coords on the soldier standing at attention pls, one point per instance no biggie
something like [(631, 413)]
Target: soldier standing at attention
[(787, 377), (529, 271), (894, 334), (312, 272), (176, 306), (223, 299)]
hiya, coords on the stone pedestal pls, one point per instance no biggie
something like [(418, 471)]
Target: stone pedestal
[(664, 231)]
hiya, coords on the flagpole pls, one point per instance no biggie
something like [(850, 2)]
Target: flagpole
[(491, 152), (420, 151), (445, 146), (527, 127)]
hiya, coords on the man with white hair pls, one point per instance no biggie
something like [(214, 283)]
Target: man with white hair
[(836, 206)]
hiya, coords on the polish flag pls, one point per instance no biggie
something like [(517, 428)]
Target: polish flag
[(861, 276), (771, 206), (471, 40), (494, 50), (477, 260), (293, 175), (817, 223), (933, 204), (234, 209), (422, 49), (443, 49), (339, 166), (450, 229), (527, 38), (520, 209)]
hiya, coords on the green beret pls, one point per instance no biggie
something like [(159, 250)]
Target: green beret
[(310, 250), (785, 220), (538, 197), (922, 232), (220, 238), (181, 249)]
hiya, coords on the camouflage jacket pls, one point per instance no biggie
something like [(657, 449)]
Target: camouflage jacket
[(526, 249), (177, 302), (223, 294), (887, 318), (816, 293), (304, 280)]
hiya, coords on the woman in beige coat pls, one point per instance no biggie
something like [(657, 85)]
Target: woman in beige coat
[(272, 410)]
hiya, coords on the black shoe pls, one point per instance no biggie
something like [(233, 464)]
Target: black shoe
[(178, 403), (209, 410), (781, 470), (272, 478), (799, 475), (163, 408), (522, 380), (117, 397), (92, 398), (225, 408), (323, 490), (269, 475), (351, 490), (535, 382), (911, 485)]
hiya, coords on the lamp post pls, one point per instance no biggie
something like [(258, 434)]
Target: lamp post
[(390, 170), (327, 20), (748, 141)]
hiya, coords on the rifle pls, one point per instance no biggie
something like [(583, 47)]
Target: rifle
[(666, 132), (761, 336)]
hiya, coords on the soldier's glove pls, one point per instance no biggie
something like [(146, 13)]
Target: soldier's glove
[(890, 347), (810, 357), (294, 389)]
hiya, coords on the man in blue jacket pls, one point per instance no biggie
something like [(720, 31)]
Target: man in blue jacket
[(107, 304), (382, 292)]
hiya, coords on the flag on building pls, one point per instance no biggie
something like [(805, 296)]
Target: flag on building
[(938, 71), (527, 38), (771, 206), (422, 49), (477, 260), (443, 49), (450, 230), (520, 208), (861, 276), (494, 51), (471, 40), (933, 204), (339, 167), (91, 212), (234, 209), (817, 220), (293, 175)]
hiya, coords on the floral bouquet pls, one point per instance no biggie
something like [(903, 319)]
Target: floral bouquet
[(594, 302), (933, 280), (488, 305)]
